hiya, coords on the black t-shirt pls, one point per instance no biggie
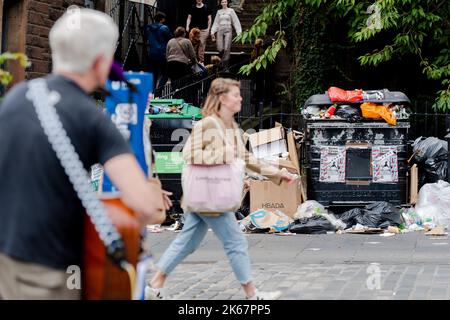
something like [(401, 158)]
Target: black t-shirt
[(41, 217), (199, 17)]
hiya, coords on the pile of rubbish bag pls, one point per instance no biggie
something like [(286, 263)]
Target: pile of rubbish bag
[(431, 155), (313, 218), (356, 105), (375, 215)]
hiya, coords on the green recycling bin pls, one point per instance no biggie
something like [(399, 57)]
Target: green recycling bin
[(172, 123)]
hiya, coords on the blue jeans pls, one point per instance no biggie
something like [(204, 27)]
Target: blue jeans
[(194, 230)]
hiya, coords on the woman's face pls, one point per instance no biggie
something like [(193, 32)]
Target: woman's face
[(232, 100), (224, 3)]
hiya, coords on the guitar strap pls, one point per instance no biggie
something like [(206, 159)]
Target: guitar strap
[(44, 102)]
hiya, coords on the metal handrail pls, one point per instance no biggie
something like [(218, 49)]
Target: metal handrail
[(193, 82)]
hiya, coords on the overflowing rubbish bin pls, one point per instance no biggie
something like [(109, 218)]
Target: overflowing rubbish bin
[(171, 124), (356, 150)]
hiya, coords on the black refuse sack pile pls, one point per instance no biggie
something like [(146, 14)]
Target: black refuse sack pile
[(431, 154), (313, 225), (349, 112), (375, 215)]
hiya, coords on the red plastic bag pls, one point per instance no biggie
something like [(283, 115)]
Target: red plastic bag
[(340, 95)]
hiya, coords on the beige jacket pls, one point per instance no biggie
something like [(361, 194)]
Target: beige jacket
[(206, 146)]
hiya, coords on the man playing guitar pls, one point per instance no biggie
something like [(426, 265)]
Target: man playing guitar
[(41, 217)]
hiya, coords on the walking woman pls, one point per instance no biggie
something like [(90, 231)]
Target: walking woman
[(225, 19), (206, 146)]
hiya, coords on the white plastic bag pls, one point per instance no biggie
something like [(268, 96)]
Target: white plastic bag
[(309, 208), (433, 204), (312, 208)]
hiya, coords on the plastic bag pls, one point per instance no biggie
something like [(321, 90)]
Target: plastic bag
[(308, 209), (265, 221), (312, 225), (433, 203), (348, 112), (432, 154), (429, 148), (311, 208), (373, 111), (375, 215), (435, 170), (340, 95), (411, 217)]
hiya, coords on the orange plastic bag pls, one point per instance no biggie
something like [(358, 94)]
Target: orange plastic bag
[(373, 111)]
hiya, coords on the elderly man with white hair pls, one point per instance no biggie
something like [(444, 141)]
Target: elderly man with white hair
[(41, 217)]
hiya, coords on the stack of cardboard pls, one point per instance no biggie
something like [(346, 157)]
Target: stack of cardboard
[(278, 149)]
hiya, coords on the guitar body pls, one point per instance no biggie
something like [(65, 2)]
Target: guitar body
[(102, 279)]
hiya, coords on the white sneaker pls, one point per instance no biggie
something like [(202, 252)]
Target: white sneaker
[(155, 294), (266, 295)]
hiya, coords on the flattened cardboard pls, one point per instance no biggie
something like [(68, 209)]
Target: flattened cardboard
[(269, 149), (414, 184), (293, 155), (364, 231), (269, 143), (283, 163), (303, 183), (438, 231), (266, 136)]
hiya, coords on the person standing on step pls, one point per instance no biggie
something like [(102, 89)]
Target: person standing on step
[(200, 17), (225, 19), (158, 34)]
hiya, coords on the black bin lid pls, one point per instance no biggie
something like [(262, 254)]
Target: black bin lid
[(389, 97)]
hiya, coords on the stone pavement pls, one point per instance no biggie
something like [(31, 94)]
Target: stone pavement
[(407, 266)]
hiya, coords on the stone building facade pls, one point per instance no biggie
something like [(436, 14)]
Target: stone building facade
[(25, 25)]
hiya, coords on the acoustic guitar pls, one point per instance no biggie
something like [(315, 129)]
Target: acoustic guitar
[(103, 279)]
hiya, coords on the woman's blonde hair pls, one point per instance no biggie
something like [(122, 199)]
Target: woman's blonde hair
[(218, 87)]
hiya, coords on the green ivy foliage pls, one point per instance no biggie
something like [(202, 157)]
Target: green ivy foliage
[(308, 52), (412, 27)]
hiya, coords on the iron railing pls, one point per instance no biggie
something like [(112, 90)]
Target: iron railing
[(132, 18), (194, 88)]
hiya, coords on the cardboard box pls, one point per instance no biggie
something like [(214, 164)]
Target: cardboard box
[(271, 197), (267, 143)]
